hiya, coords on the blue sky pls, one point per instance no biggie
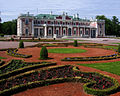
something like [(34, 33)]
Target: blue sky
[(10, 9)]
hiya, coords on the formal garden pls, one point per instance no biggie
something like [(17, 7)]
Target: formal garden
[(96, 66)]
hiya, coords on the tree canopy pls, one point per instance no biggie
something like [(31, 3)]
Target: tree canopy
[(112, 26)]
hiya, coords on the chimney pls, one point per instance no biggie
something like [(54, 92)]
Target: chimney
[(28, 13), (74, 16), (66, 14), (51, 13), (63, 13), (77, 15)]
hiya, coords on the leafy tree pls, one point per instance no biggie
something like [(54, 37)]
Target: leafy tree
[(9, 28), (44, 53), (112, 26)]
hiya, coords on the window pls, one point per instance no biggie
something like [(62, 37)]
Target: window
[(74, 32), (80, 31), (26, 21), (49, 32), (86, 32), (26, 31), (63, 32), (100, 25)]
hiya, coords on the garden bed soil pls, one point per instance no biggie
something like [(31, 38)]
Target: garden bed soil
[(51, 89)]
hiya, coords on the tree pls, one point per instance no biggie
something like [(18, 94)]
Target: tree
[(9, 27), (21, 44), (44, 53), (115, 26), (75, 43)]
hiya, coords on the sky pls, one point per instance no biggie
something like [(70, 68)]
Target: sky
[(11, 9)]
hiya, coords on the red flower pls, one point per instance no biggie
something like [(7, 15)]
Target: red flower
[(103, 86)]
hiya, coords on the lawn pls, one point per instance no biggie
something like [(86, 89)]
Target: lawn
[(113, 47), (2, 57), (66, 50), (112, 67)]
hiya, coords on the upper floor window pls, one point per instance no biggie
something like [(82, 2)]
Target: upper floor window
[(100, 25), (26, 21)]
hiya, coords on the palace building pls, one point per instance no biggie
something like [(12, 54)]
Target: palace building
[(58, 26)]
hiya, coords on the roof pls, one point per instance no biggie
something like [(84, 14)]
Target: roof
[(46, 16)]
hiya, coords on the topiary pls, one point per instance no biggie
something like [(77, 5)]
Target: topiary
[(44, 53), (119, 49), (12, 39), (21, 44), (75, 43), (32, 38)]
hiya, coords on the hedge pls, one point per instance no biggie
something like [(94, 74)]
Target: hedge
[(1, 62), (109, 57), (24, 69), (79, 78), (15, 54)]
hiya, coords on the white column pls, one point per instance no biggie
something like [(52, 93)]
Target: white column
[(45, 30), (32, 27), (38, 32), (90, 33)]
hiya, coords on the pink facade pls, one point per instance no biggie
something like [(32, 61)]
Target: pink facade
[(57, 26)]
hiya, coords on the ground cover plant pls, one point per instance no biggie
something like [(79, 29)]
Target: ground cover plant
[(95, 83), (16, 66), (66, 50), (13, 52), (112, 67), (2, 57)]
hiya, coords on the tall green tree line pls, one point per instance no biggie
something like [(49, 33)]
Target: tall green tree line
[(8, 28), (112, 26)]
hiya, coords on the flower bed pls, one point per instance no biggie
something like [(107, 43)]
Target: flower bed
[(95, 83), (13, 52), (108, 57), (1, 62), (15, 67)]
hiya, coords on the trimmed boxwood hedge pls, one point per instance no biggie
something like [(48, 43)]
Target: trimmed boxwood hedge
[(15, 54), (109, 57), (72, 73), (26, 66), (1, 62)]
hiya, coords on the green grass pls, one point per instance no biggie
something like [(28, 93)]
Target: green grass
[(112, 67), (115, 43), (114, 47), (66, 50), (73, 40), (2, 57)]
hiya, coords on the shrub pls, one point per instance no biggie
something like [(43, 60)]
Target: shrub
[(44, 53), (12, 39), (32, 38), (2, 35), (21, 44), (75, 43), (39, 39), (119, 48)]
